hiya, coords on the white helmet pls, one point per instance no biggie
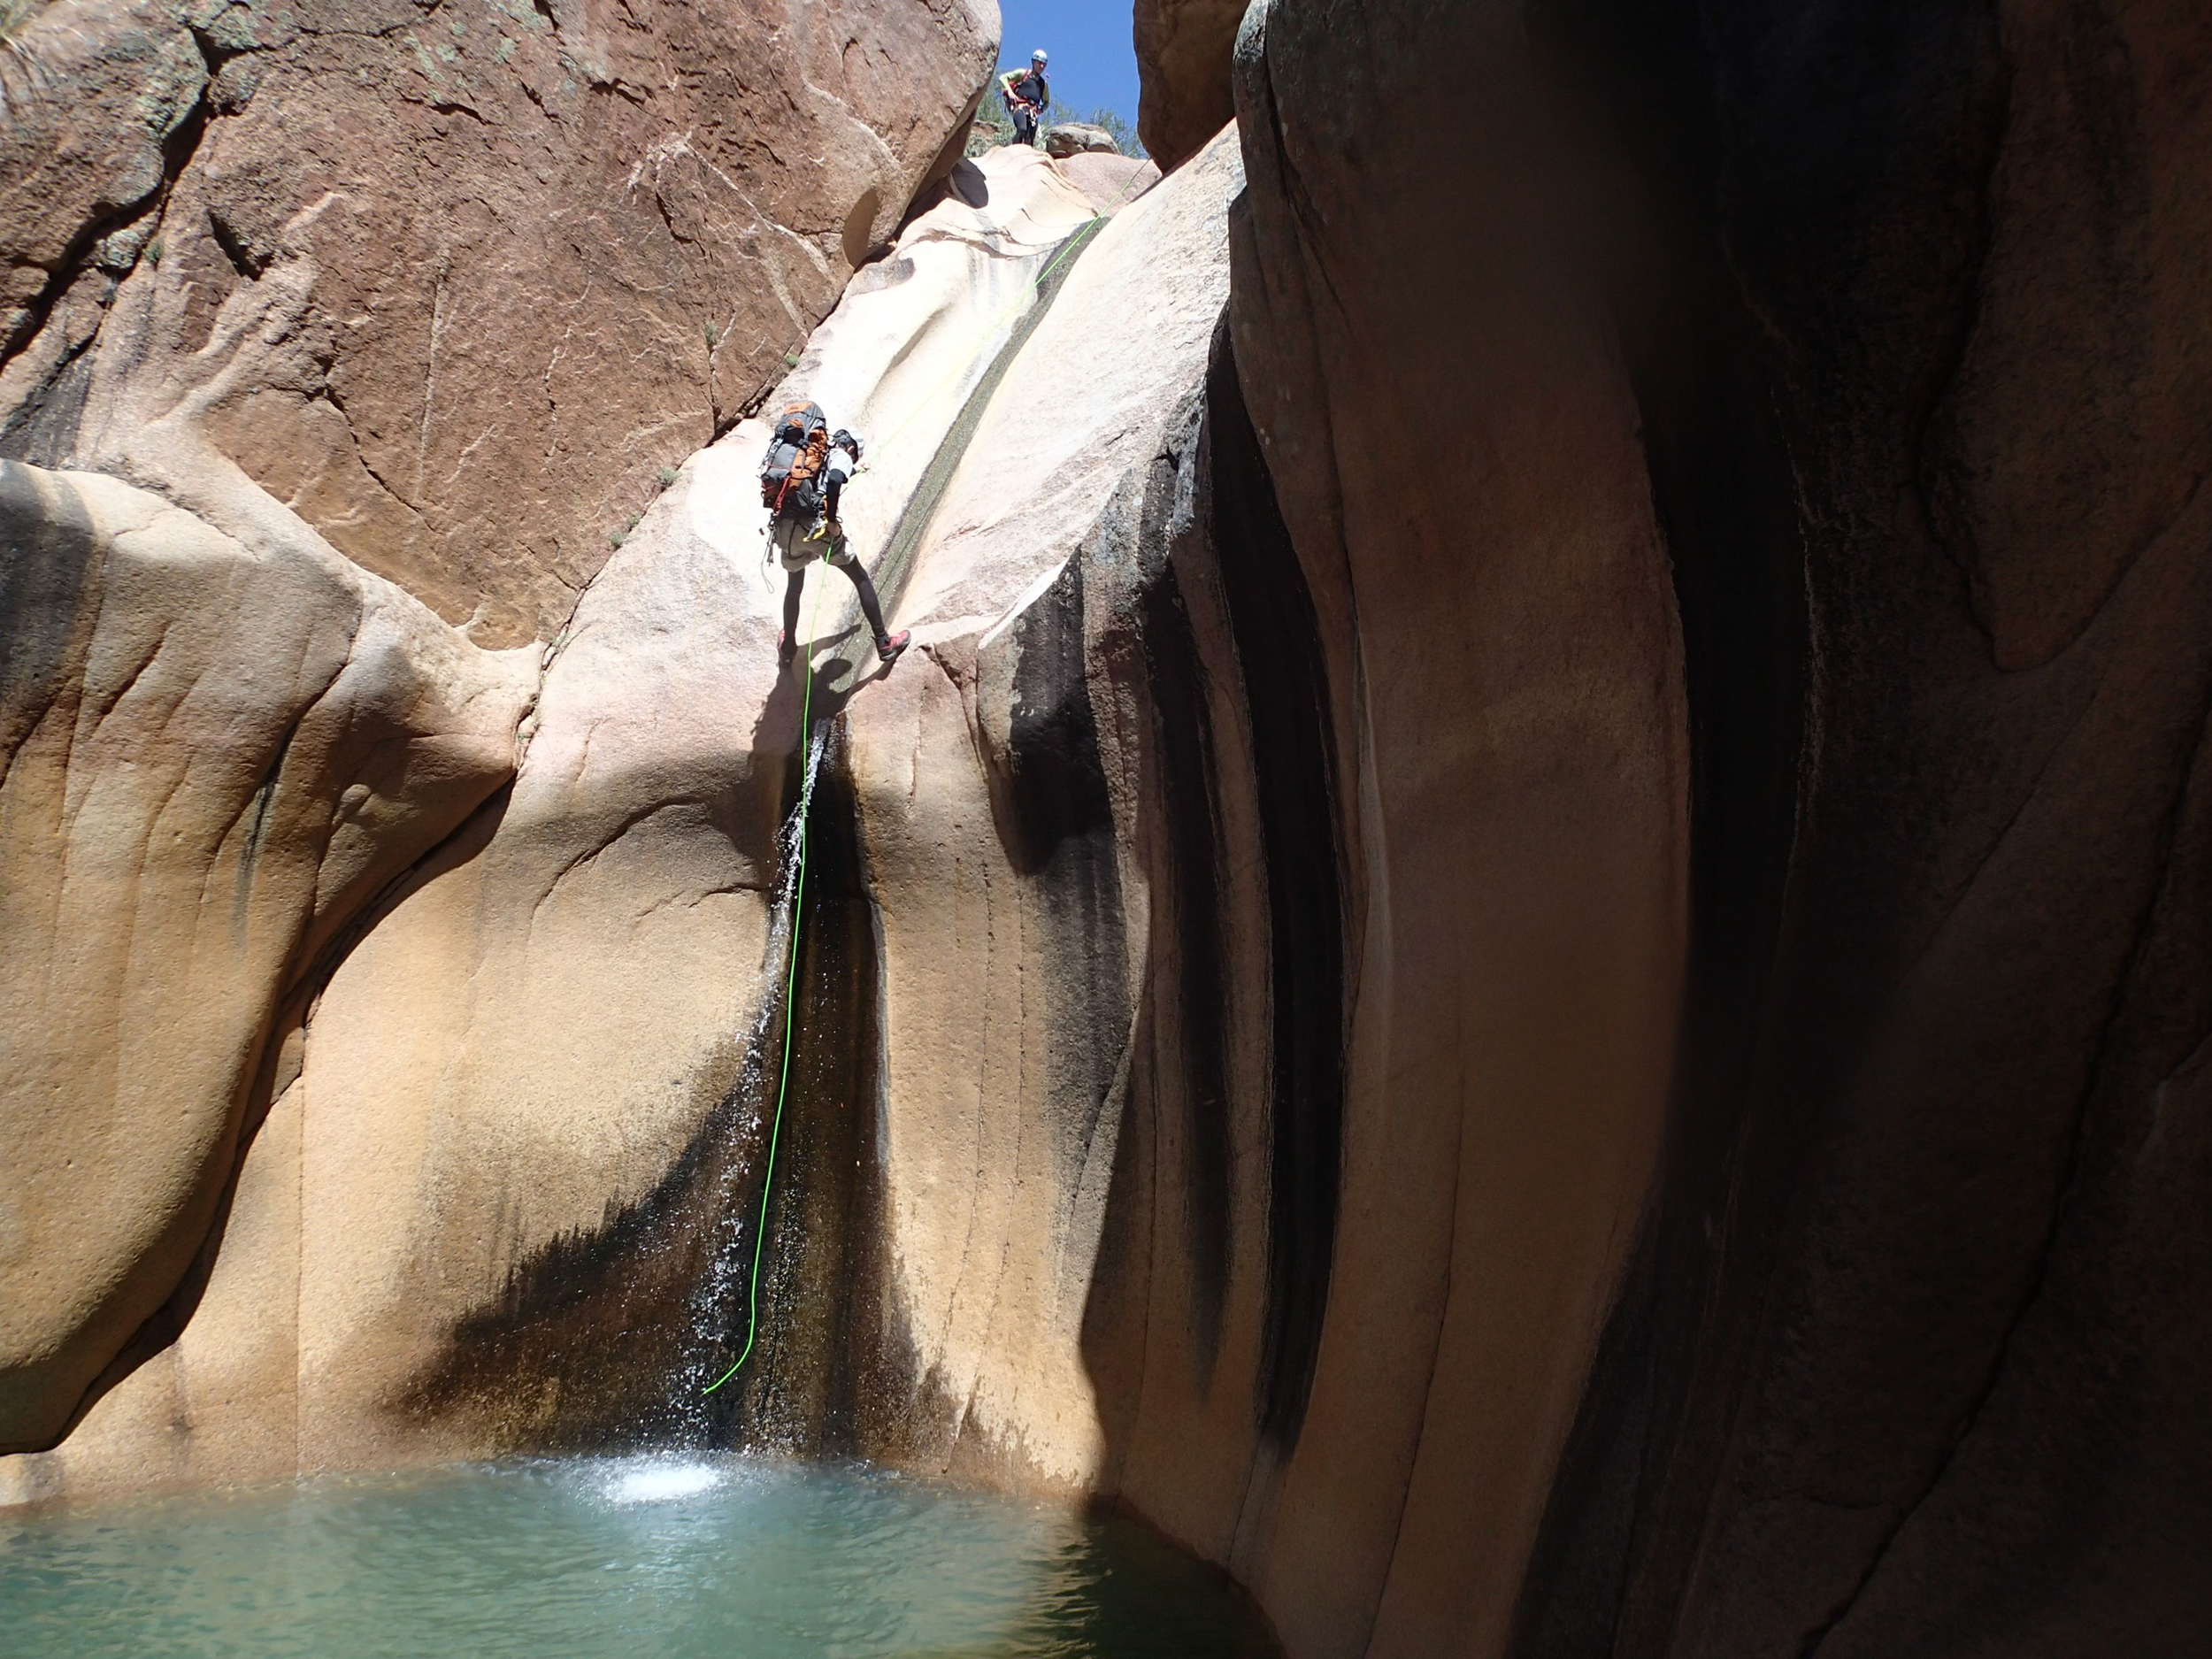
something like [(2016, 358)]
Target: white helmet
[(1037, 56)]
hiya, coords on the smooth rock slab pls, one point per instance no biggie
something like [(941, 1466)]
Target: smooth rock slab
[(215, 756)]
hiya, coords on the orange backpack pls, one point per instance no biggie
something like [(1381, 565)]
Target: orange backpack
[(791, 472)]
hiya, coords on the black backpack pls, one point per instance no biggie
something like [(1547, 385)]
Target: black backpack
[(791, 472)]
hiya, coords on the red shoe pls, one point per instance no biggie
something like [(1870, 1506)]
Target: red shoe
[(888, 650), (787, 648)]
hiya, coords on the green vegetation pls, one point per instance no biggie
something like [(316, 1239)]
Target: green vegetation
[(993, 126), (667, 476), (1125, 134)]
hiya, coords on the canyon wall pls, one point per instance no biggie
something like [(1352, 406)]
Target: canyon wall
[(1183, 49), (530, 254), (320, 326), (216, 756), (1870, 329), (512, 1124), (1520, 950), (1912, 1363)]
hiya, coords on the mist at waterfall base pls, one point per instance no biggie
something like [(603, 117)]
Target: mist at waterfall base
[(575, 1559)]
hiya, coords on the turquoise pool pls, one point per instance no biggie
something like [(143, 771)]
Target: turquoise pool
[(644, 1559)]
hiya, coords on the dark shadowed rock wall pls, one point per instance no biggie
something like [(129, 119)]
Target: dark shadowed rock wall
[(1894, 307), (1927, 1299), (1904, 1359)]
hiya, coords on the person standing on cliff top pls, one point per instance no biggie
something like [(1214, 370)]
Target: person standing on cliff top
[(1027, 95), (802, 477)]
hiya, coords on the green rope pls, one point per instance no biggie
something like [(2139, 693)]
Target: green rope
[(790, 983), (1073, 244)]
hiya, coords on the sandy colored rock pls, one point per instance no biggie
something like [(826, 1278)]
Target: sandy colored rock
[(533, 1038), (1183, 55), (1077, 138), (544, 252), (1524, 949), (1110, 182), (216, 756), (614, 939), (1490, 695), (1084, 403), (1012, 951)]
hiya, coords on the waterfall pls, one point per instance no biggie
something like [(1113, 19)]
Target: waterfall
[(716, 1318)]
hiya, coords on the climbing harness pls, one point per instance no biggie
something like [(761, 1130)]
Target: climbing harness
[(784, 423)]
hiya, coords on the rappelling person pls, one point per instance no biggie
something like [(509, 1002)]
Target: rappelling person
[(1027, 94), (802, 477)]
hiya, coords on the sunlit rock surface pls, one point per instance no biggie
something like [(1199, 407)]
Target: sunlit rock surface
[(1012, 940), (1111, 182), (216, 755), (537, 251), (1521, 950), (1078, 138), (531, 1034)]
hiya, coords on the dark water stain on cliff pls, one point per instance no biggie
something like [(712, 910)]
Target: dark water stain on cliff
[(1277, 640), (1183, 730), (605, 1338), (820, 1360), (1055, 825)]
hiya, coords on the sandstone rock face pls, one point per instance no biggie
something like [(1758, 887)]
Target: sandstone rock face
[(1084, 403), (1933, 1384), (1183, 54), (542, 1045), (1110, 182), (1521, 950), (1479, 1052), (215, 757), (529, 254), (1012, 919), (1075, 138), (1909, 1349)]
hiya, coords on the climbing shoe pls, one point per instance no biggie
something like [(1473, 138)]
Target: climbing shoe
[(787, 648), (888, 650)]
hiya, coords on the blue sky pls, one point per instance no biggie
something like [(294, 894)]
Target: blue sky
[(1093, 62)]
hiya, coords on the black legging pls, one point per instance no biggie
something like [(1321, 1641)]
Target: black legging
[(794, 580)]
